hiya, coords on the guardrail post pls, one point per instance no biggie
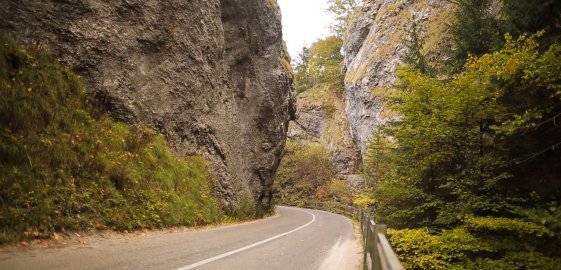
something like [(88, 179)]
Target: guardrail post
[(378, 229), (382, 228), (374, 249), (364, 225)]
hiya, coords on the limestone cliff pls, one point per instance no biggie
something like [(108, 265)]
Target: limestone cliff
[(321, 118), (374, 46), (206, 73)]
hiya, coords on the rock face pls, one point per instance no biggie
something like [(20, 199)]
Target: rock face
[(206, 73), (373, 47), (311, 122), (324, 120)]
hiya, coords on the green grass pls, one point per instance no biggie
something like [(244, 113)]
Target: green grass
[(286, 65), (324, 94), (62, 169)]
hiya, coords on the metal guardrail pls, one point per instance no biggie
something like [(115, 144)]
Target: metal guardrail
[(378, 253)]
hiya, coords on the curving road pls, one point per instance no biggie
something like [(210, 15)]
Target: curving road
[(294, 239)]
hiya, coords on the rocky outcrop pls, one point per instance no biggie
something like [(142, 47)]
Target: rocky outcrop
[(321, 118), (310, 123), (373, 47), (206, 73)]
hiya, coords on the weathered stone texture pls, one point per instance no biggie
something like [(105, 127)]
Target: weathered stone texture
[(373, 47), (206, 73), (328, 126)]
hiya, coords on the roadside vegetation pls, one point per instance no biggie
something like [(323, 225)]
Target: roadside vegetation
[(469, 177), (306, 176), (307, 179), (66, 167)]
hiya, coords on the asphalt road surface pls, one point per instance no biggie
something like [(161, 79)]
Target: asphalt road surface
[(294, 239)]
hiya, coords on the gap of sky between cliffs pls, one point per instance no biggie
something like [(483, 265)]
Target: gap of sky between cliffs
[(303, 22)]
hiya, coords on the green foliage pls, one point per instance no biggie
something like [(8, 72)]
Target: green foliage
[(340, 191), (364, 201), (286, 65), (305, 163), (480, 24), (375, 163), (319, 64), (302, 78), (471, 169), (246, 208), (415, 57), (324, 95), (63, 170), (530, 16), (476, 31), (419, 249), (474, 157), (463, 248), (285, 60), (306, 178), (497, 224), (325, 60), (342, 10)]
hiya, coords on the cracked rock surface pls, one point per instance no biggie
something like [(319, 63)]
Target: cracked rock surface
[(373, 47), (205, 73)]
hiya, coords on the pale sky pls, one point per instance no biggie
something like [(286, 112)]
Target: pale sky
[(303, 22)]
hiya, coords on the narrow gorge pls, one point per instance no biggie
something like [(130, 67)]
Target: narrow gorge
[(438, 119), (344, 85)]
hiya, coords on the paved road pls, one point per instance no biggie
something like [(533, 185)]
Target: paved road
[(294, 239)]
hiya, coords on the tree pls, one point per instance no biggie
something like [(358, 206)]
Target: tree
[(342, 9), (414, 57), (530, 16), (478, 155), (302, 78), (480, 25), (325, 60), (476, 31)]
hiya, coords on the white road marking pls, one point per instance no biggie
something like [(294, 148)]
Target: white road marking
[(191, 266)]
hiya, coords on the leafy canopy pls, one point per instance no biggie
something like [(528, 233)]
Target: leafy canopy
[(465, 154)]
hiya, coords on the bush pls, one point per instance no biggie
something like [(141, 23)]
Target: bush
[(340, 191), (467, 248), (306, 178), (305, 163), (465, 170)]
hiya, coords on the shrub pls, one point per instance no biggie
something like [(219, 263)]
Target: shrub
[(340, 191)]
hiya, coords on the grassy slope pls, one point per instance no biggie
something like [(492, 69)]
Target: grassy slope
[(61, 169)]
